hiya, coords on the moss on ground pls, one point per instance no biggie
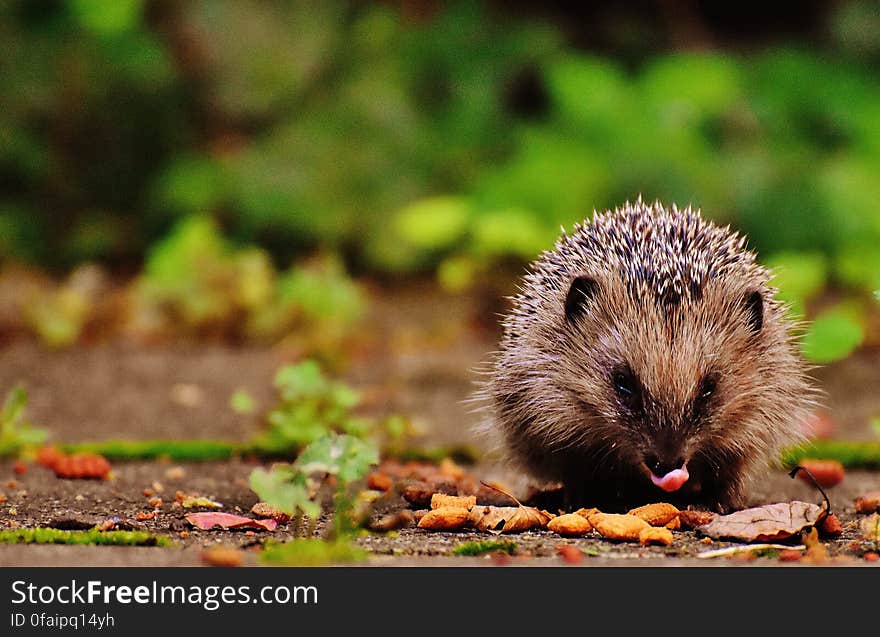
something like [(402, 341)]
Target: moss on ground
[(43, 535)]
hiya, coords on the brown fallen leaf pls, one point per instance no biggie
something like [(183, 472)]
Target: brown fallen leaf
[(209, 520), (830, 526), (765, 523), (570, 525), (439, 500), (657, 514), (693, 519), (616, 526), (508, 519), (868, 503), (655, 535), (444, 519)]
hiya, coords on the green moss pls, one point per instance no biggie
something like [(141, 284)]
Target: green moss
[(485, 546), (179, 450), (462, 454), (852, 455), (311, 552), (92, 536)]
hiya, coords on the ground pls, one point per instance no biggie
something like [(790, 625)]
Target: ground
[(421, 359)]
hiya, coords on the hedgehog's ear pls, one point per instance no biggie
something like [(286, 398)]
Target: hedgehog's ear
[(755, 311), (582, 290)]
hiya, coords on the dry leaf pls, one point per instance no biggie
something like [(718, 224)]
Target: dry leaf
[(657, 514), (570, 525), (765, 523), (209, 520), (830, 526), (614, 526), (655, 535), (440, 500), (508, 519), (693, 519), (868, 503), (444, 519)]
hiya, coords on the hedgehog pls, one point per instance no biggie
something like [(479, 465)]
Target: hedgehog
[(646, 357)]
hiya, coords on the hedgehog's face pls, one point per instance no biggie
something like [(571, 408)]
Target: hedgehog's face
[(679, 385)]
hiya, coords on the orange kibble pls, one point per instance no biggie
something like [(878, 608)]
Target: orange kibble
[(47, 456), (380, 481), (871, 557)]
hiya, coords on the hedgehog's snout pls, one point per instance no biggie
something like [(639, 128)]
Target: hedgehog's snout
[(665, 474), (661, 467)]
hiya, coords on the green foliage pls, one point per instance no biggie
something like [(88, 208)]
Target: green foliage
[(832, 336), (485, 546), (195, 280), (293, 488), (175, 450), (312, 406), (242, 402), (42, 535), (852, 454), (16, 433), (799, 277), (311, 552)]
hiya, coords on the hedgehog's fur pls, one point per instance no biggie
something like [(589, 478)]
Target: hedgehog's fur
[(674, 307)]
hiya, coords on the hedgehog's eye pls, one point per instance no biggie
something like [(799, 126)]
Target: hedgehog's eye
[(627, 387), (705, 391)]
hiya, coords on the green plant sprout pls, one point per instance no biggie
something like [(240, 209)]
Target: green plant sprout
[(294, 488), (16, 433), (313, 406)]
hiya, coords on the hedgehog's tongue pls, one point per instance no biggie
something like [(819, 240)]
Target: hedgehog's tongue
[(673, 480)]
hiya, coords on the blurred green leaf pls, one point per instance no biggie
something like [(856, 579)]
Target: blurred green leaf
[(799, 276), (242, 402), (346, 457), (107, 17), (285, 488), (433, 224), (832, 336)]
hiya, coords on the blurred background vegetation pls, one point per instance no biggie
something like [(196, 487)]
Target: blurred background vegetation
[(204, 148)]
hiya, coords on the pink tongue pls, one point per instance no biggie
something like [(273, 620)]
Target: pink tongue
[(673, 480)]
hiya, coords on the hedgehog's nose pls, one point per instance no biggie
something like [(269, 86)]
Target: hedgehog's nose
[(661, 467)]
